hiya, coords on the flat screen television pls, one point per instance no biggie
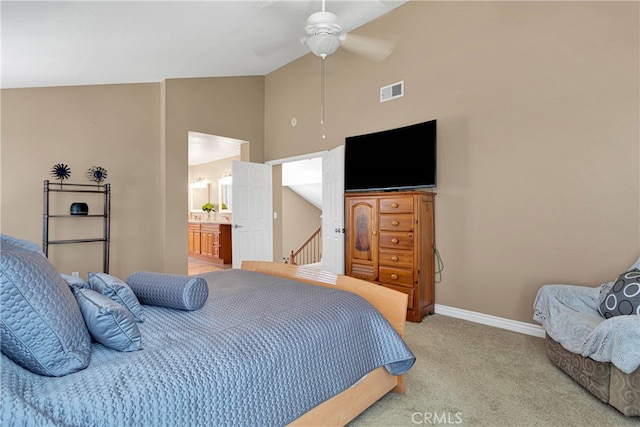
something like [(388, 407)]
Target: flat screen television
[(394, 159)]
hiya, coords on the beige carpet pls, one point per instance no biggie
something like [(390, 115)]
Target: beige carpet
[(469, 374)]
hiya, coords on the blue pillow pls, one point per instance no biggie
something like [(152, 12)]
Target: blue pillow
[(75, 282), (109, 323), (21, 243), (169, 290), (118, 291), (41, 327)]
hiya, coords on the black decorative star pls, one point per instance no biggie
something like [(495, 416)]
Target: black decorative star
[(97, 174), (61, 172)]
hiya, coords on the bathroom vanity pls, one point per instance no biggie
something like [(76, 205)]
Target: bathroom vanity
[(210, 241)]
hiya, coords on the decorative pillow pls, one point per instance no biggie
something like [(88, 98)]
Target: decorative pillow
[(624, 296), (169, 290), (109, 323), (24, 244), (118, 291), (41, 327), (604, 291), (76, 282)]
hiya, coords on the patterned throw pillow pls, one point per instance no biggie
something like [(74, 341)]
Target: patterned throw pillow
[(624, 296)]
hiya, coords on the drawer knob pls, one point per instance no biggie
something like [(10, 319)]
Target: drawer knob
[(395, 222), (394, 240), (394, 258), (394, 276), (394, 205)]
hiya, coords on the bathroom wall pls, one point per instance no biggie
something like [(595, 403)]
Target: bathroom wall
[(210, 173)]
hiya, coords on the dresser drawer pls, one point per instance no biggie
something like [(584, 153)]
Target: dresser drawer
[(396, 205), (402, 222), (396, 240), (395, 276), (393, 258)]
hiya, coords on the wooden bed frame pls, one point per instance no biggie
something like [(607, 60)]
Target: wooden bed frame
[(344, 407)]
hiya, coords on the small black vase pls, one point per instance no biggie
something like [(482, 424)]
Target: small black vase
[(79, 209)]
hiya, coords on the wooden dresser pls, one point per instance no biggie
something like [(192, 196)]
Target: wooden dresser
[(211, 241), (390, 241)]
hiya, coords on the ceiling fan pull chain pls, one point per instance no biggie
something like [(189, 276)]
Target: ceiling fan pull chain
[(322, 95)]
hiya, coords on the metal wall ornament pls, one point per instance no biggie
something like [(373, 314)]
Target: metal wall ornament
[(61, 172), (97, 174)]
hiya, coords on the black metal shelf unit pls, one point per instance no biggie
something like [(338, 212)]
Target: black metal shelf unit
[(104, 189)]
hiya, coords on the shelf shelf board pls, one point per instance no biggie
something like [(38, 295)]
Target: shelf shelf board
[(62, 242), (78, 216)]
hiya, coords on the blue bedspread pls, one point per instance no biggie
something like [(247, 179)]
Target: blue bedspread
[(262, 351)]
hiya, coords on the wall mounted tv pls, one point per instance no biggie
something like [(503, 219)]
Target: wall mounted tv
[(394, 159)]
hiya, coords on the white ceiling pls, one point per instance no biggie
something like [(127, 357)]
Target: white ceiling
[(305, 178), (205, 148), (68, 43), (62, 43)]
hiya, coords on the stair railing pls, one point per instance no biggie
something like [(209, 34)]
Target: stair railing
[(310, 251)]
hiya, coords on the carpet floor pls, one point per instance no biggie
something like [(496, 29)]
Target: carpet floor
[(470, 374)]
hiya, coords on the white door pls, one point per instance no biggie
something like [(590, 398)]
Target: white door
[(333, 210), (252, 229)]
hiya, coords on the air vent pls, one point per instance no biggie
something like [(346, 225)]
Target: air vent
[(393, 91)]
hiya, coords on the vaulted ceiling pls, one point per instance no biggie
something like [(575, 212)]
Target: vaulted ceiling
[(61, 43)]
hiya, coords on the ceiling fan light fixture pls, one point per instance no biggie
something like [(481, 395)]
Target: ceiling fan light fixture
[(323, 45)]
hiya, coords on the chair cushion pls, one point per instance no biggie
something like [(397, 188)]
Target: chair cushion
[(623, 297)]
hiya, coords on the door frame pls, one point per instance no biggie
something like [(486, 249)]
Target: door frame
[(292, 159)]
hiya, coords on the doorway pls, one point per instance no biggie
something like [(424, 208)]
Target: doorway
[(209, 165), (331, 207), (301, 202)]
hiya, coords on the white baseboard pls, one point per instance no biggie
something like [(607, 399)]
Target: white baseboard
[(486, 319)]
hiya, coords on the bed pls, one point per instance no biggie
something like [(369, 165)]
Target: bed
[(273, 344)]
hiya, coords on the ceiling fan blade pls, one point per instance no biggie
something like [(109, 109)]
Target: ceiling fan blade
[(371, 48)]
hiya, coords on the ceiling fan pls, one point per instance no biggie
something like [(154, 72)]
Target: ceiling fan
[(324, 35)]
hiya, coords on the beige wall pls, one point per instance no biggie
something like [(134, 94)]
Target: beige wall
[(537, 106), (538, 143), (301, 220), (139, 134), (113, 126), (226, 106)]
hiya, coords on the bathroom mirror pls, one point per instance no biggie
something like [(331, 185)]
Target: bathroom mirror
[(224, 194), (198, 196)]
